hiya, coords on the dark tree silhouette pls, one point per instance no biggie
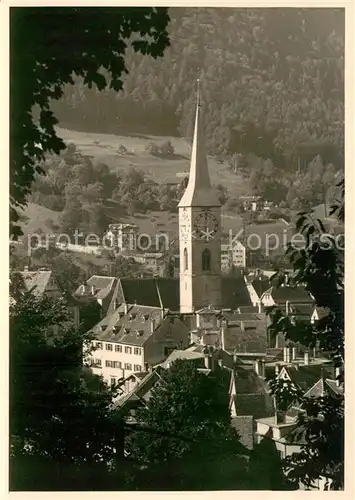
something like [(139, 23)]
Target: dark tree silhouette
[(87, 42), (320, 266)]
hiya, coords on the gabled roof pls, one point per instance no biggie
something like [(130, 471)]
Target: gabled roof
[(300, 311), (322, 312), (260, 285), (283, 294), (142, 390), (247, 335), (324, 387), (39, 282), (306, 376), (235, 292), (98, 287), (180, 354), (244, 425), (252, 393), (133, 328)]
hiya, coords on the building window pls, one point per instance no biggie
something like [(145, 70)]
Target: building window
[(206, 260), (137, 350), (108, 363), (116, 364), (108, 347), (97, 362), (113, 381), (127, 366), (118, 348), (128, 350), (137, 368), (98, 345), (186, 264)]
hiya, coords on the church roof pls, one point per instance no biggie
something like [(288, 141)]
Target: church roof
[(164, 292), (199, 192)]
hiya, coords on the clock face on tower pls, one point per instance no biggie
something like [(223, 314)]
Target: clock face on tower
[(205, 225)]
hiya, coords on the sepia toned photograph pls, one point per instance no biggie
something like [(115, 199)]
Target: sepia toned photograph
[(176, 247)]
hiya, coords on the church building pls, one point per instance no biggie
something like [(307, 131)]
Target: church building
[(200, 231)]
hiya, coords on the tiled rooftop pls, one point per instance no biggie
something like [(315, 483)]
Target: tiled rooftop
[(133, 328)]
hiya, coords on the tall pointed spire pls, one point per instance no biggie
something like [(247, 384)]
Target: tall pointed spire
[(199, 191)]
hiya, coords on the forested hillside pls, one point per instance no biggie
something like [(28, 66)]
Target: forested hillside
[(272, 84)]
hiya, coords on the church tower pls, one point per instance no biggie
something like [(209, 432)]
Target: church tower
[(199, 231)]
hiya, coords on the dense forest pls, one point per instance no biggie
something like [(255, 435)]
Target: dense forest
[(272, 83)]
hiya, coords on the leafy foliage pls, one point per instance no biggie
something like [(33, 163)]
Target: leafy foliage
[(282, 99), (320, 266), (196, 448), (97, 40), (60, 411)]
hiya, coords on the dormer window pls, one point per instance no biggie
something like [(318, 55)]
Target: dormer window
[(132, 316)]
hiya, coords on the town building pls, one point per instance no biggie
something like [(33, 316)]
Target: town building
[(122, 237), (233, 255), (314, 380), (97, 289), (42, 282), (247, 390), (132, 338), (283, 295)]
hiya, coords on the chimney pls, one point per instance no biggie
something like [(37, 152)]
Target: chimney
[(125, 308), (287, 307), (162, 313), (294, 353), (220, 362), (92, 290), (306, 358), (242, 326), (286, 279), (198, 320), (259, 307), (234, 357), (25, 268), (152, 325), (280, 417), (277, 369)]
